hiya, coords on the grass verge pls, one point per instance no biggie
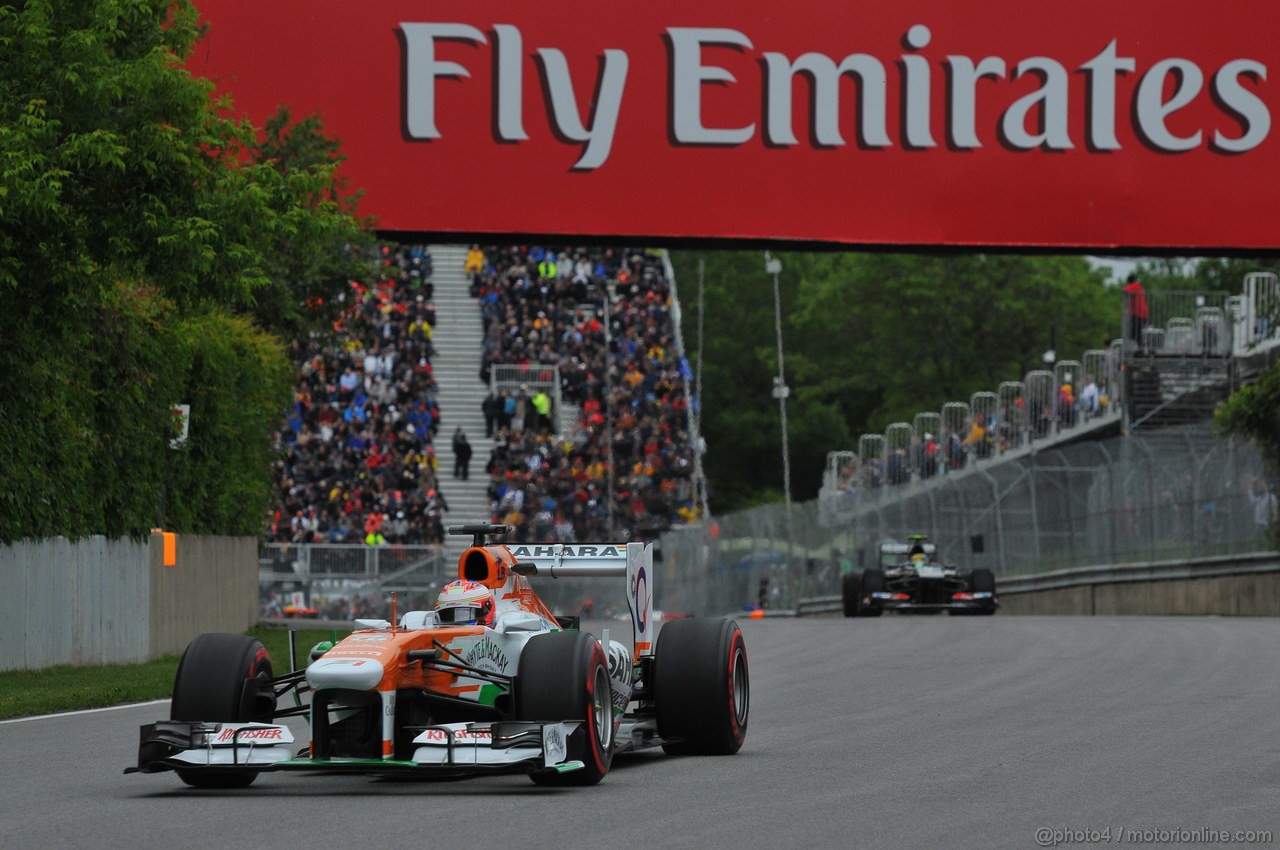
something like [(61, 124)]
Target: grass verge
[(68, 688)]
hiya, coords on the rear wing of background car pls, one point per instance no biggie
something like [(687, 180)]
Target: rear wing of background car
[(892, 554), (634, 561), (905, 548)]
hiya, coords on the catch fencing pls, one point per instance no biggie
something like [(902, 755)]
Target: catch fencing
[(532, 378), (1170, 494), (340, 581)]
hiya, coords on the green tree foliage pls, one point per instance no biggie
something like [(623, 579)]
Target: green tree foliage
[(305, 288), (139, 237), (869, 339), (1254, 412), (1202, 274), (238, 379)]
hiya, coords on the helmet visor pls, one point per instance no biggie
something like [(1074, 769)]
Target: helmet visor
[(461, 615)]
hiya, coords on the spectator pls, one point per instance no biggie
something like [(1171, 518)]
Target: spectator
[(976, 441), (1135, 300), (541, 403), (475, 261), (492, 409), (929, 457), (508, 411), (521, 408), (1066, 406), (1089, 398), (1263, 500), (461, 454)]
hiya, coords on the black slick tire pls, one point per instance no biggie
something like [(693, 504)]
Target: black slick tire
[(984, 581), (872, 582), (565, 676), (851, 594), (209, 687), (702, 686)]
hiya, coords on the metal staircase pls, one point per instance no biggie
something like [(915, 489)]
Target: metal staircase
[(457, 340)]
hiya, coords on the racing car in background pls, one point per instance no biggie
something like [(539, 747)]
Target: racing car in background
[(430, 695), (911, 578)]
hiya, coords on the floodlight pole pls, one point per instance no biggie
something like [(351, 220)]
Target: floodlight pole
[(773, 266), (610, 288)]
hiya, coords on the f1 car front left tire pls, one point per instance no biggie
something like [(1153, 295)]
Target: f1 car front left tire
[(210, 687), (851, 594), (565, 676), (702, 686), (984, 581)]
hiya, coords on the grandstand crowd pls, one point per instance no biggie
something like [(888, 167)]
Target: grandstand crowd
[(357, 461), (548, 306), (357, 456)]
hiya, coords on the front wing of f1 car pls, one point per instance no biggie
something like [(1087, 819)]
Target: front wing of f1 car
[(451, 749), (960, 601)]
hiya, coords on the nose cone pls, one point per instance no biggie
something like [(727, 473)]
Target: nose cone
[(359, 674)]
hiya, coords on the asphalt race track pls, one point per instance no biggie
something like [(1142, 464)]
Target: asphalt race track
[(898, 732)]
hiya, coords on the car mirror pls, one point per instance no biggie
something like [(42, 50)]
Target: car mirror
[(519, 621)]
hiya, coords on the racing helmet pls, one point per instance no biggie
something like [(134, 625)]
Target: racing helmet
[(919, 558), (465, 603)]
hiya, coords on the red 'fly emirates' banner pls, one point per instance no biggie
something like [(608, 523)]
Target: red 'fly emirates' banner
[(1090, 123)]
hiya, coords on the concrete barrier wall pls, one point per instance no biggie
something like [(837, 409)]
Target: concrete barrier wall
[(72, 603), (212, 588), (1251, 593), (1068, 600), (99, 601), (1243, 596)]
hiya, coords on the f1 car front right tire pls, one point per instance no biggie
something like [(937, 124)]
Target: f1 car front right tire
[(210, 687), (872, 582), (565, 676), (702, 686)]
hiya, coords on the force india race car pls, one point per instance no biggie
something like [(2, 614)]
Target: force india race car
[(910, 578), (528, 693)]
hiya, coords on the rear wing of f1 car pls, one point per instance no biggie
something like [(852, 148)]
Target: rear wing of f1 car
[(634, 561)]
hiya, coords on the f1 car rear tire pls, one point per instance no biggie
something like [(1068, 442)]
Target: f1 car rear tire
[(872, 582), (702, 686), (565, 676), (210, 687), (851, 594)]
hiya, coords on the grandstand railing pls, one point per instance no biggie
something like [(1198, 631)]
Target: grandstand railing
[(362, 565), (1018, 417), (1206, 324)]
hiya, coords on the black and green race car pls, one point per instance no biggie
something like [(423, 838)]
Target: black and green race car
[(911, 577)]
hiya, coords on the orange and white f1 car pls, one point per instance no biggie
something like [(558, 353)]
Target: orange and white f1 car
[(520, 691)]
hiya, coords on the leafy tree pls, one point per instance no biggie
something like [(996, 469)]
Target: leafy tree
[(1202, 274), (306, 287), (1254, 412), (139, 236)]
